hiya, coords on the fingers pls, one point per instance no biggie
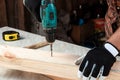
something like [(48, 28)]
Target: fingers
[(106, 70), (79, 60), (89, 69), (100, 75), (86, 69), (83, 65), (85, 78), (96, 73)]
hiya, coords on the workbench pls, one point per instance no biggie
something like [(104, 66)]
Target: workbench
[(27, 38), (30, 64)]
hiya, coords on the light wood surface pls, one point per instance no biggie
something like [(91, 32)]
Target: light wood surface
[(51, 70), (39, 55), (59, 67), (9, 74)]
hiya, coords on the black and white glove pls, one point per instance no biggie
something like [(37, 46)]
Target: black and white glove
[(98, 62)]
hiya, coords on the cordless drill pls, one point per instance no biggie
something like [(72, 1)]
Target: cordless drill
[(49, 19), (47, 14)]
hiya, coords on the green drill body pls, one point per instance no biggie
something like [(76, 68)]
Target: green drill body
[(49, 20), (48, 14)]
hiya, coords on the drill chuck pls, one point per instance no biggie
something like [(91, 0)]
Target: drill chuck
[(50, 35)]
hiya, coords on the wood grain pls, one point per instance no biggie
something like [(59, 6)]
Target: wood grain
[(51, 70), (59, 67), (24, 53), (9, 74)]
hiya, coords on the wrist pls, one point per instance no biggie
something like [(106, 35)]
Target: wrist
[(111, 48)]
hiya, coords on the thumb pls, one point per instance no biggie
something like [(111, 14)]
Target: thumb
[(79, 60)]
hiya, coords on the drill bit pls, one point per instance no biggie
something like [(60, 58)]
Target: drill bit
[(51, 49)]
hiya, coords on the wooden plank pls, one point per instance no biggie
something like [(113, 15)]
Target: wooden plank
[(14, 64), (59, 67), (10, 74), (52, 70), (17, 52)]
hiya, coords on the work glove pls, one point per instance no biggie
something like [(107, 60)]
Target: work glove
[(98, 62)]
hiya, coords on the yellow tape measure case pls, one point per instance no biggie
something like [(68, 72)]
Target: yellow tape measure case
[(10, 35)]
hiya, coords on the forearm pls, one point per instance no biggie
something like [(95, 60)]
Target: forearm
[(110, 17), (115, 39)]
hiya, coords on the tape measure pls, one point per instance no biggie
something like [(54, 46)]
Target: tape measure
[(10, 35)]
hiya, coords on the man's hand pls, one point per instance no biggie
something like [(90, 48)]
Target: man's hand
[(98, 62)]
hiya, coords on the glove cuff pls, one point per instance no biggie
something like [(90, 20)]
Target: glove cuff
[(111, 48)]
